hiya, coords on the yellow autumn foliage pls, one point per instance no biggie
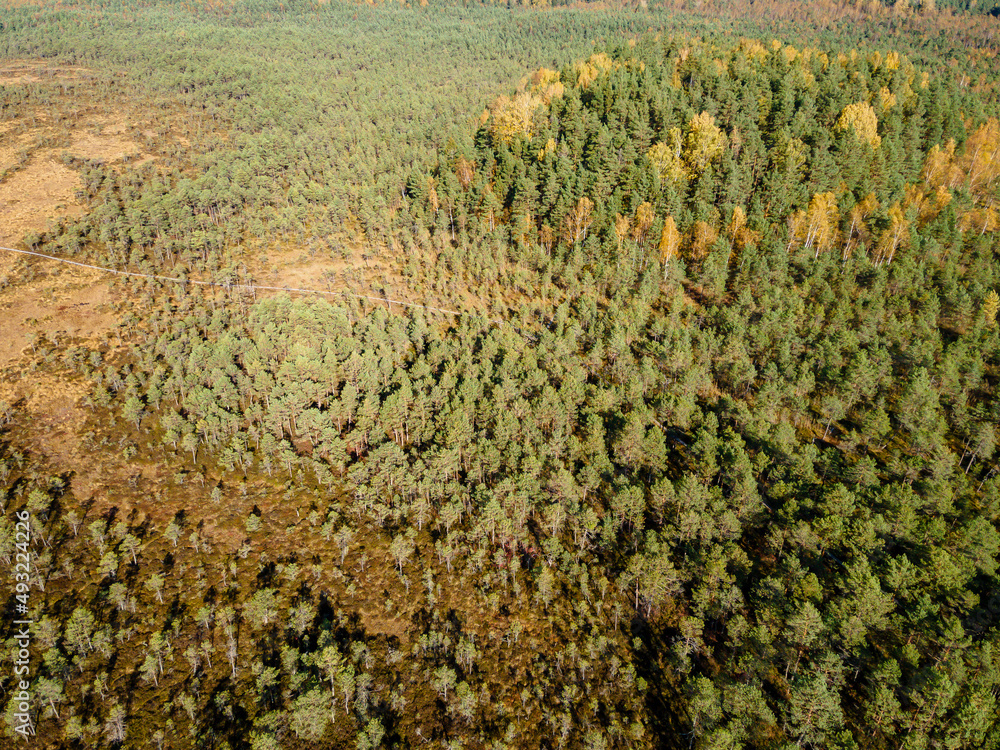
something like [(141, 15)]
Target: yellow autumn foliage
[(940, 169), (858, 231), (942, 198), (753, 50), (860, 118), (543, 77), (991, 305), (896, 235), (704, 142), (737, 229), (886, 99), (980, 220), (670, 240), (622, 225), (816, 227), (666, 158), (979, 164), (465, 170), (927, 204), (546, 84), (982, 155), (703, 235), (595, 66), (578, 220), (548, 148), (643, 221), (512, 117)]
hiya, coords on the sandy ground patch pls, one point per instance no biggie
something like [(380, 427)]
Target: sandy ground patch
[(35, 195), (373, 278), (13, 148), (322, 271), (109, 146), (316, 274), (55, 409), (63, 303), (39, 188), (68, 300), (20, 72)]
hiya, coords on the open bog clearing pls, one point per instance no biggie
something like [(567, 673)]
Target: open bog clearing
[(33, 197), (40, 188), (67, 301), (37, 188), (19, 72)]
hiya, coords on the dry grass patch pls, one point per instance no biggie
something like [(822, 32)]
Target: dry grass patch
[(14, 149), (39, 189), (34, 196), (21, 72), (105, 139), (52, 411), (68, 301)]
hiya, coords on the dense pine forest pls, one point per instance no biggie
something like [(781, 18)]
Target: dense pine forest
[(644, 394)]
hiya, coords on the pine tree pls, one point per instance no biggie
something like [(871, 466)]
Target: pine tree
[(991, 304)]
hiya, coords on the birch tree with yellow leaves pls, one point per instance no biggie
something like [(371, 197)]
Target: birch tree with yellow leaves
[(579, 219), (894, 237), (703, 144), (861, 119), (821, 225), (512, 117), (858, 214), (670, 241), (667, 160)]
